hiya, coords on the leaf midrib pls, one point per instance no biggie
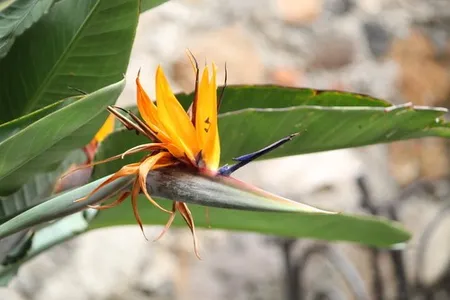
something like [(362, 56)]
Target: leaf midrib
[(38, 94)]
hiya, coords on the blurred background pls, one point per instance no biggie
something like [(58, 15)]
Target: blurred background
[(398, 50)]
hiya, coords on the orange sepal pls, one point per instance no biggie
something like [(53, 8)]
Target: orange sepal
[(126, 170), (145, 167), (174, 118), (134, 196), (187, 216), (118, 201), (206, 120), (149, 112)]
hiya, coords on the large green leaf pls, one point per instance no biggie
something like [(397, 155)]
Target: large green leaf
[(17, 17), (149, 4), (325, 121), (282, 217), (366, 230), (9, 128), (271, 96), (38, 188), (80, 44), (46, 142), (322, 128)]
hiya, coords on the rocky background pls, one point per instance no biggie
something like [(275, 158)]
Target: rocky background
[(398, 50)]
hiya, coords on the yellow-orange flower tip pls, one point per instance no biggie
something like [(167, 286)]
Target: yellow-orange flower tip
[(106, 129), (91, 148)]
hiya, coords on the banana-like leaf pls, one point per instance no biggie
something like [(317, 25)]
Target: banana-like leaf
[(18, 16), (46, 142), (38, 188), (149, 4), (81, 45), (321, 128), (325, 128), (237, 207), (12, 127), (271, 96)]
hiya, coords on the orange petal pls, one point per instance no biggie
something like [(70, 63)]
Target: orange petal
[(124, 171), (202, 119), (175, 151), (193, 107), (211, 150), (165, 163), (175, 120), (148, 111), (118, 201), (169, 222), (206, 127), (134, 196), (187, 216), (146, 107), (106, 129), (144, 168), (84, 166), (143, 147)]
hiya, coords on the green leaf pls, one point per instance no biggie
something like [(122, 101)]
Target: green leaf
[(322, 128), (372, 231), (80, 44), (9, 128), (285, 217), (17, 17), (38, 188), (149, 4), (325, 121), (46, 142), (272, 96)]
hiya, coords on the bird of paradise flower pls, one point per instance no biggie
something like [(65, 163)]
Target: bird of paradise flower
[(177, 137)]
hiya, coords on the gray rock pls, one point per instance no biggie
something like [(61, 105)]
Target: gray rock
[(338, 7), (378, 38)]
